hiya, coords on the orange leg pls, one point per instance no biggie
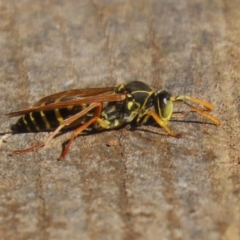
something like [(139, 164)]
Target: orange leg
[(65, 123), (160, 123), (30, 149), (79, 130)]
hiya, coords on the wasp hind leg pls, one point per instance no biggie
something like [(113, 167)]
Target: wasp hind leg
[(78, 131), (30, 149), (94, 119), (66, 122)]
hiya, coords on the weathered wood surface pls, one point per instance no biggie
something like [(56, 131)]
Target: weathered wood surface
[(149, 186)]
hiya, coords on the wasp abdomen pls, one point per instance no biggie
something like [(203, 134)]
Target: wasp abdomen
[(44, 120)]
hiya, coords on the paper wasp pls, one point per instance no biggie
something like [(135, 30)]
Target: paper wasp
[(102, 108)]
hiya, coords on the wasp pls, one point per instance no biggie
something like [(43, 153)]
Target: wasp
[(101, 109)]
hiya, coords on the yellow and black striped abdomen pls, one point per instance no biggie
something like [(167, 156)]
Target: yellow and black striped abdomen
[(45, 120)]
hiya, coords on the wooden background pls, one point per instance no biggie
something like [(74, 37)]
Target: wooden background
[(150, 186)]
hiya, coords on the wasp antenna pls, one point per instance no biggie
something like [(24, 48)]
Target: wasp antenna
[(208, 106)]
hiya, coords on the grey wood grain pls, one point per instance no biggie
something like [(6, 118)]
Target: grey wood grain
[(148, 186)]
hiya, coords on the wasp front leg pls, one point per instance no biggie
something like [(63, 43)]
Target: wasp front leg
[(149, 113)]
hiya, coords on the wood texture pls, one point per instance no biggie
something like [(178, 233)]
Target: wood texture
[(148, 186)]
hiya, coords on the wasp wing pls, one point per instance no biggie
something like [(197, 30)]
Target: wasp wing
[(72, 98), (74, 94)]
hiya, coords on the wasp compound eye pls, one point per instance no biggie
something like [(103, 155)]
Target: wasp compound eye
[(164, 104)]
